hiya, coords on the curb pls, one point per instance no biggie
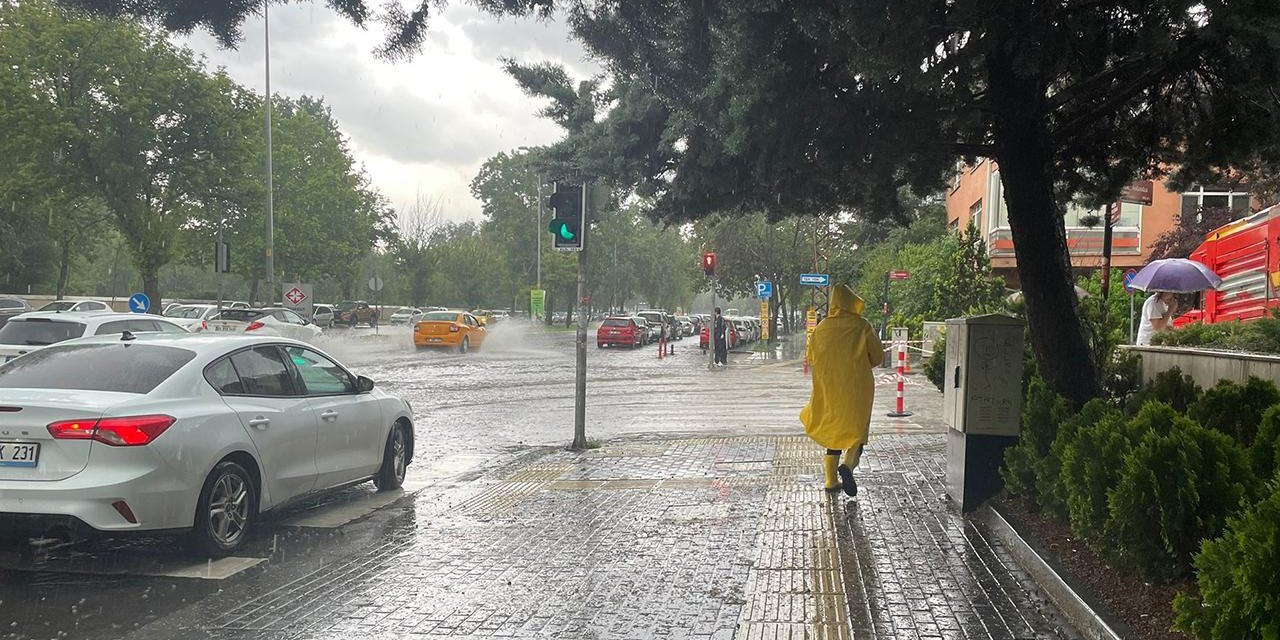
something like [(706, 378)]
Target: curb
[(1075, 608)]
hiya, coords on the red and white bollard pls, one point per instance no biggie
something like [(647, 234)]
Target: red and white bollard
[(900, 343), (662, 347)]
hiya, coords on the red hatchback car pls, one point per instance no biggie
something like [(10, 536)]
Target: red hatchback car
[(619, 330)]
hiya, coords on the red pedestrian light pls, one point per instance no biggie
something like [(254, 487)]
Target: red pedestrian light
[(709, 263)]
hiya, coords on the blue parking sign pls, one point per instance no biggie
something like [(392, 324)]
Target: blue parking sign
[(764, 290)]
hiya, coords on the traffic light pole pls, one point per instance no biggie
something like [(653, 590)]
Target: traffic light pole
[(580, 392)]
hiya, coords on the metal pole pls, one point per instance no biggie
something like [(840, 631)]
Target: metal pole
[(271, 222), (580, 393), (1130, 317), (1105, 276), (217, 253), (538, 230), (711, 330)]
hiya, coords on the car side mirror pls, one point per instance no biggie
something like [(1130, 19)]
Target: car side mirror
[(365, 384)]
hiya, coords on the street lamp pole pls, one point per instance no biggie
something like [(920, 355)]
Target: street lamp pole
[(271, 222)]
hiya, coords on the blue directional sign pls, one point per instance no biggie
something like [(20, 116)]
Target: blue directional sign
[(1128, 279), (764, 290), (815, 279), (139, 303)]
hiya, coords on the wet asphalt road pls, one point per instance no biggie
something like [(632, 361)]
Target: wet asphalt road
[(475, 414)]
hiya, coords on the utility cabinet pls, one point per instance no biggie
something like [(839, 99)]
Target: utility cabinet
[(982, 403)]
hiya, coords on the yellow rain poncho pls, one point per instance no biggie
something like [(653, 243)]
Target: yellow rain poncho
[(842, 352)]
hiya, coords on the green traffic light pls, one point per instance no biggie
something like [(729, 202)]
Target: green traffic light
[(561, 228)]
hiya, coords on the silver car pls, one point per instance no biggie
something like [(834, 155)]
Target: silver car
[(200, 432)]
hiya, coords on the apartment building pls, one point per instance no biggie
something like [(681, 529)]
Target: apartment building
[(976, 193)]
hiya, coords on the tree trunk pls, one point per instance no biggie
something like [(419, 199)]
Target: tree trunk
[(1025, 155), (151, 287), (64, 264)]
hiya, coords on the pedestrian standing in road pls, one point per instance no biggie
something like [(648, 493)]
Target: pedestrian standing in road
[(1157, 316), (843, 350), (719, 333)]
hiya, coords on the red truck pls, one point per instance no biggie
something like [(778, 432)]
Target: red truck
[(1246, 254)]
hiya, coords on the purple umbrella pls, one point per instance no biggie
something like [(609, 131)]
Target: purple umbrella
[(1178, 275)]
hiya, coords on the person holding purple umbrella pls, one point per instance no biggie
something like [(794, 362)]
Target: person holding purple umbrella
[(1157, 315)]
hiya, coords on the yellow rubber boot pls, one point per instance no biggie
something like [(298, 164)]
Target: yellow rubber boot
[(829, 464), (853, 456)]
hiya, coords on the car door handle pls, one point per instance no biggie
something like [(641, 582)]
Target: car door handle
[(260, 423), (329, 415)]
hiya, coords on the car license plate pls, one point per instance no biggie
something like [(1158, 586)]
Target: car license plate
[(434, 340), (19, 454), (223, 328)]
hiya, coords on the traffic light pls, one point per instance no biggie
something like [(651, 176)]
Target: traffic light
[(709, 264), (568, 222)]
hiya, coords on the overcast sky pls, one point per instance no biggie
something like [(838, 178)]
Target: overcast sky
[(422, 126)]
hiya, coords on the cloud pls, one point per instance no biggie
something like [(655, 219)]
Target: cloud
[(423, 125)]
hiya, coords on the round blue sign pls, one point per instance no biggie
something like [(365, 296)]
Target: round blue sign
[(139, 303), (1128, 279)]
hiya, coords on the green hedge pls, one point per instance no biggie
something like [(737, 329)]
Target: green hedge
[(1256, 336), (1238, 576)]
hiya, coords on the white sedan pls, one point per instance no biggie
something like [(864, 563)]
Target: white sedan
[(272, 321), (33, 331), (199, 432)]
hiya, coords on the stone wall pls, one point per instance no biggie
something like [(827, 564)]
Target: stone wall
[(1207, 366)]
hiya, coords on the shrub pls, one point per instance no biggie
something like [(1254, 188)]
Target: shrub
[(1213, 336), (1169, 387), (1235, 409), (1238, 576), (1264, 453), (1093, 459), (1176, 488), (1050, 490), (1043, 411), (1122, 375), (935, 368)]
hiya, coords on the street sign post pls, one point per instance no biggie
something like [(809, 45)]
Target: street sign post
[(537, 304), (815, 280), (297, 297), (764, 319), (764, 290), (139, 303)]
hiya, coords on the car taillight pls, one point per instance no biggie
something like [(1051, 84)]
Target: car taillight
[(453, 328), (204, 326), (254, 326), (132, 431)]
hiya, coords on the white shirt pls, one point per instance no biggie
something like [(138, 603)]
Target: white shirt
[(1152, 309)]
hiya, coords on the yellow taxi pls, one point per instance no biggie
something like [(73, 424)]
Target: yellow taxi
[(456, 330), (486, 317)]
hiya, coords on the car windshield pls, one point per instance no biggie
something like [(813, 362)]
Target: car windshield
[(617, 322), (128, 368), (440, 316), (10, 303), (239, 315), (39, 331), (61, 305), (187, 312)]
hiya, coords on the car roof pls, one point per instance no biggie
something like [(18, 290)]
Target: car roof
[(86, 317)]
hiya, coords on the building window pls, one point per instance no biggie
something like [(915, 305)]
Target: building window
[(1078, 216), (1200, 198), (995, 195), (975, 215)]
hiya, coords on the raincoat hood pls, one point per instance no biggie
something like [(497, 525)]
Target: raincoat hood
[(844, 300)]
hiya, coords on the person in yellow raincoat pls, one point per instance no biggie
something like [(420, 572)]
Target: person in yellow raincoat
[(843, 350)]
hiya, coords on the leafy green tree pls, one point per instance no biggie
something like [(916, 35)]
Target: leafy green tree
[(123, 115)]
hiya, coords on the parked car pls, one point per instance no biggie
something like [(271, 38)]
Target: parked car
[(732, 337), (619, 330), (657, 320), (271, 321), (197, 433), (170, 306), (686, 325), (33, 331), (406, 315), (192, 316), (322, 315), (456, 330), (236, 304), (486, 317), (77, 306), (353, 312), (647, 332), (10, 307)]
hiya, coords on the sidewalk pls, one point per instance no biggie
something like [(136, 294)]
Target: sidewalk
[(712, 538)]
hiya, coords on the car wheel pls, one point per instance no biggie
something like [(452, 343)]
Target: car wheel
[(395, 460), (227, 506), (465, 345)]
